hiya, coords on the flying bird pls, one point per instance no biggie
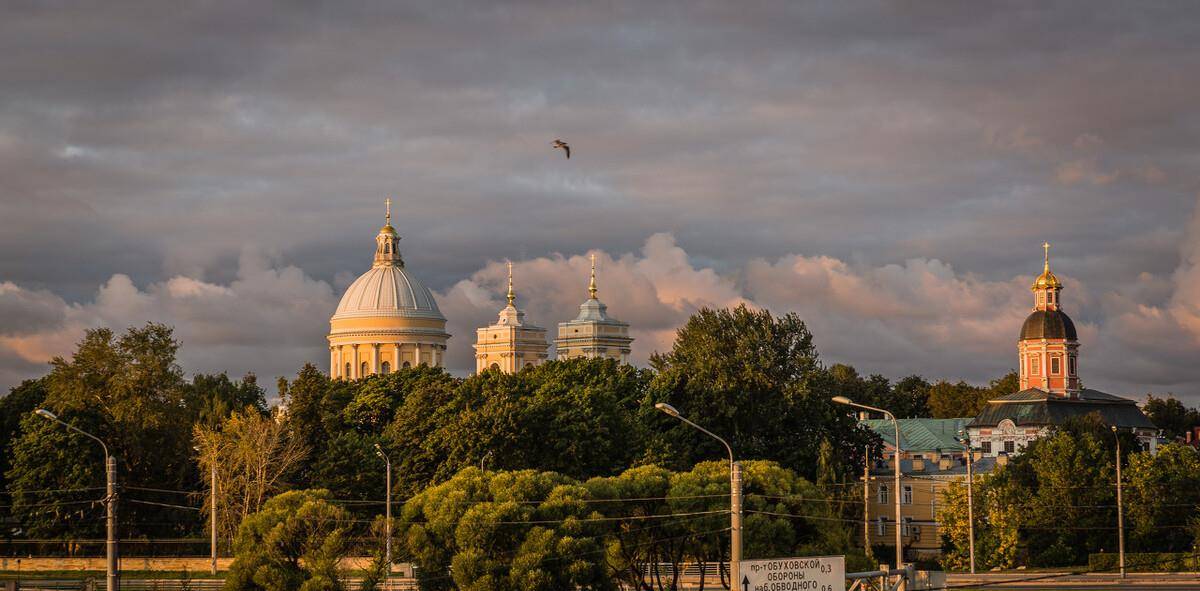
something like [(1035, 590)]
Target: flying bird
[(564, 146)]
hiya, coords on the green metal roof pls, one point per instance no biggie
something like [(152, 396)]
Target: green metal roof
[(920, 435)]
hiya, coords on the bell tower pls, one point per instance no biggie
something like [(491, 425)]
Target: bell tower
[(1048, 350)]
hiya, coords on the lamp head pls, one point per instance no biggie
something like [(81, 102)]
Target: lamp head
[(841, 400), (1114, 428), (45, 414), (667, 408)]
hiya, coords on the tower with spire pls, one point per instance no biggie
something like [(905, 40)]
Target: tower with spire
[(1048, 350), (593, 334), (511, 344)]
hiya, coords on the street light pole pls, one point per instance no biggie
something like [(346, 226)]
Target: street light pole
[(388, 517), (1120, 508), (112, 578), (896, 423), (966, 441), (735, 498)]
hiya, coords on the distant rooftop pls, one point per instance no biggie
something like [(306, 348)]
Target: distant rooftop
[(920, 435)]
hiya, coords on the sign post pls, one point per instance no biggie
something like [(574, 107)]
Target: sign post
[(815, 573)]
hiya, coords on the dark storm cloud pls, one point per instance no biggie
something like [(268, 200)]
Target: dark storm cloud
[(159, 141)]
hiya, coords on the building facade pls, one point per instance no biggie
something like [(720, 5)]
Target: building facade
[(511, 344), (386, 319), (593, 334)]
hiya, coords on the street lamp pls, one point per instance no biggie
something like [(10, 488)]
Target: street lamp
[(1120, 509), (388, 525), (965, 439), (735, 497), (110, 501), (899, 537)]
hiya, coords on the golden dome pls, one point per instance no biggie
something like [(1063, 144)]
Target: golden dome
[(1047, 280)]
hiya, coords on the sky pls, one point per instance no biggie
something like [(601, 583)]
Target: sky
[(886, 170)]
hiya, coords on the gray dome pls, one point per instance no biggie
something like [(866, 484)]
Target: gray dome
[(1048, 324), (387, 290)]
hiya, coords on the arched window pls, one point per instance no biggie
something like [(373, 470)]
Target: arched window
[(528, 364), (386, 367), (348, 369), (366, 368), (406, 365), (495, 366)]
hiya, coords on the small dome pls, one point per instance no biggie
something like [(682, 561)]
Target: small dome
[(1048, 324), (1047, 280), (386, 290)]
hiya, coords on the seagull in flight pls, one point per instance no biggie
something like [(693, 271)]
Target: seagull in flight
[(564, 146)]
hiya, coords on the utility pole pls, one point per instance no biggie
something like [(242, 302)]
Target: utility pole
[(213, 520), (966, 441), (867, 500), (1120, 508)]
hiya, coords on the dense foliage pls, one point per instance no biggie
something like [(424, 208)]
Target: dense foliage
[(530, 530), (294, 542), (1056, 502)]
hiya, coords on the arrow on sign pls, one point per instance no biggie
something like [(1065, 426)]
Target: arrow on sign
[(745, 583)]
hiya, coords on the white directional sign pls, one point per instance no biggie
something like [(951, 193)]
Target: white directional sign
[(815, 573)]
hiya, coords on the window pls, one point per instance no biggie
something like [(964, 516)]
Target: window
[(883, 494), (1035, 365), (495, 366), (386, 367), (406, 365), (906, 498), (986, 447), (348, 370), (880, 526), (907, 526), (1071, 365), (1055, 365), (1009, 447), (366, 368)]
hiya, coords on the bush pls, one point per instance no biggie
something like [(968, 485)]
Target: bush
[(1145, 562)]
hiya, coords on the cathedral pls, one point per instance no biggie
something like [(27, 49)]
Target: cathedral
[(387, 320), (1051, 390)]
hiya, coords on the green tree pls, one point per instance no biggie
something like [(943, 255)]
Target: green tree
[(497, 531), (128, 391), (1050, 506), (20, 401), (950, 401), (1170, 415), (295, 541), (1162, 493), (214, 397), (1008, 383), (754, 379)]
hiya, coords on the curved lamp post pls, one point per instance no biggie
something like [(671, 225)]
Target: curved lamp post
[(899, 537), (112, 581), (735, 497)]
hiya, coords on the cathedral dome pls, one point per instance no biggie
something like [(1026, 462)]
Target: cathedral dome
[(387, 290), (1048, 324)]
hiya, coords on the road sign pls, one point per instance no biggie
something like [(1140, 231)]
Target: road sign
[(814, 573)]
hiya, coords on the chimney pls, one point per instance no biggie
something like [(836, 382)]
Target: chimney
[(1002, 459), (918, 464), (945, 462)]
